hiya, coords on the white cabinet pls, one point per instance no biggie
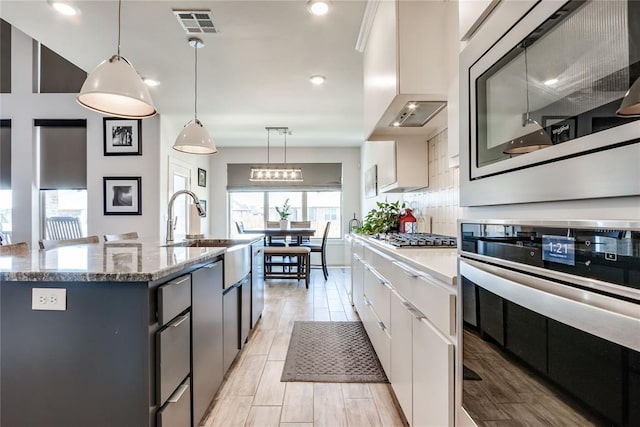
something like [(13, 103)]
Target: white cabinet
[(432, 376), (410, 319), (403, 164), (402, 355), (403, 59)]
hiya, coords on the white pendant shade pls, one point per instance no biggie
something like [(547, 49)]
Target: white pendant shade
[(630, 106), (195, 139), (529, 138), (116, 89)]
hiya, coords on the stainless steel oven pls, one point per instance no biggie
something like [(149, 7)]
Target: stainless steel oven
[(550, 322), (564, 66)]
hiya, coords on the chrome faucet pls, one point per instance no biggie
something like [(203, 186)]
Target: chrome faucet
[(171, 222)]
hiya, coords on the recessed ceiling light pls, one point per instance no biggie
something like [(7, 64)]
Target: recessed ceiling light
[(396, 124), (317, 80), (412, 106), (550, 82), (318, 7), (150, 82), (64, 8)]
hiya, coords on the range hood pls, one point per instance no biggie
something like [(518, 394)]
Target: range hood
[(417, 113)]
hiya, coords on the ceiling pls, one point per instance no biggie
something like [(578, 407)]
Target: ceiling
[(252, 74)]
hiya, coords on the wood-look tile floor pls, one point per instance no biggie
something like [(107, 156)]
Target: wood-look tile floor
[(252, 394)]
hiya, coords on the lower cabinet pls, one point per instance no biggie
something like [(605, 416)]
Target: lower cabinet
[(257, 281), (177, 411), (402, 355), (207, 338), (433, 396), (357, 281), (231, 325), (245, 310)]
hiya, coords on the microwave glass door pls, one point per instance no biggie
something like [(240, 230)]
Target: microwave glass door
[(580, 62)]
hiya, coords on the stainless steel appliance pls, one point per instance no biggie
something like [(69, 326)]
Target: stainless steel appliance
[(581, 58), (551, 323), (416, 240)]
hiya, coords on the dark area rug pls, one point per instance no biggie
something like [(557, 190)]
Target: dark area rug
[(331, 352)]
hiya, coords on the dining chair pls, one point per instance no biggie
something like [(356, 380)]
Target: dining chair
[(276, 240), (321, 248), (63, 227), (51, 244), (19, 249), (300, 239), (124, 236), (240, 227)]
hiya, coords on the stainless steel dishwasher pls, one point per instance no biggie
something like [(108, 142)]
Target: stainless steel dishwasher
[(237, 266)]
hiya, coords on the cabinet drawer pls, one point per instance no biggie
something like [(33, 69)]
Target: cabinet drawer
[(173, 356), (177, 411), (377, 289), (378, 260), (379, 337), (437, 303), (174, 297)]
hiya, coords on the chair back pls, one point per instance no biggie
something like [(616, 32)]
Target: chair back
[(63, 227), (325, 235), (51, 244), (123, 236), (300, 224), (19, 249), (273, 224), (275, 240), (240, 227)]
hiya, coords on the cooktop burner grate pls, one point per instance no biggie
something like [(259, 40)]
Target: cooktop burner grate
[(417, 240)]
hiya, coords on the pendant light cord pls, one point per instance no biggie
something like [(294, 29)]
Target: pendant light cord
[(195, 101), (285, 146), (119, 14), (268, 132)]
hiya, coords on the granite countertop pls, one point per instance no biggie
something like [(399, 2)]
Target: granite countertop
[(139, 260), (441, 263)]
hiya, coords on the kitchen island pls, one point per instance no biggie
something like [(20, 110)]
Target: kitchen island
[(115, 334)]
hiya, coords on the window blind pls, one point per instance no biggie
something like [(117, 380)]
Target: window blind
[(63, 154)]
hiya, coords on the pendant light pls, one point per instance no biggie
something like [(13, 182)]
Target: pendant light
[(277, 172), (531, 136), (194, 138), (630, 106), (116, 89)]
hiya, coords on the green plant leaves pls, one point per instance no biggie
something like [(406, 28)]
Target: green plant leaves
[(384, 219)]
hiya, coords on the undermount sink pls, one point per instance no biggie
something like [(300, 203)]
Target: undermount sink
[(209, 243)]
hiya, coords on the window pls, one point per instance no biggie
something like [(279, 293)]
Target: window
[(5, 213), (70, 203), (318, 207)]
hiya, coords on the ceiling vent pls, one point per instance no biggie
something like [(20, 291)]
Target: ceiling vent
[(417, 113), (196, 21)]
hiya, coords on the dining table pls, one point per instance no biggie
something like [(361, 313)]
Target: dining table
[(299, 233)]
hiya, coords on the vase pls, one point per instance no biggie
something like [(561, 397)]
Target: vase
[(284, 224)]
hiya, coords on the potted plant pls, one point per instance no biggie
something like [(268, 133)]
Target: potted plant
[(284, 215), (384, 219)]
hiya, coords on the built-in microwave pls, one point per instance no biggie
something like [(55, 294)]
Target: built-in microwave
[(559, 70)]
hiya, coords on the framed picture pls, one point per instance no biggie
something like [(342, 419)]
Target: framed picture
[(204, 206), (122, 195), (202, 177), (560, 128), (371, 181), (122, 137), (122, 257)]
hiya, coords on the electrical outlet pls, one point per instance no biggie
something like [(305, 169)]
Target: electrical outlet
[(49, 299)]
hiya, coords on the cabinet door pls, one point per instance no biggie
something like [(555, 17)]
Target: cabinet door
[(401, 356), (433, 363), (206, 309), (173, 356), (177, 411), (357, 280), (231, 322), (257, 283), (245, 311)]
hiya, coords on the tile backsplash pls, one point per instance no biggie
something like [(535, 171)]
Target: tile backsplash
[(438, 204)]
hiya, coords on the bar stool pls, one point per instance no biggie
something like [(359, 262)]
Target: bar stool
[(294, 260)]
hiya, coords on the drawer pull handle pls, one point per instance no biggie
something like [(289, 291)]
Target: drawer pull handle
[(178, 393), (179, 321), (180, 281), (367, 302), (406, 269), (381, 325), (414, 311)]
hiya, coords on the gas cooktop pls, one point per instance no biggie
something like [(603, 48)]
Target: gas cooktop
[(417, 240)]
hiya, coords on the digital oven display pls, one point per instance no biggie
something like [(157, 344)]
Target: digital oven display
[(559, 249)]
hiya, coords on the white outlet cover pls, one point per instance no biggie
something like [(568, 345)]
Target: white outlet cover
[(49, 299)]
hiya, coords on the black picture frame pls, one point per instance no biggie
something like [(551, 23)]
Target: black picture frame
[(559, 128), (202, 178), (122, 195), (122, 137)]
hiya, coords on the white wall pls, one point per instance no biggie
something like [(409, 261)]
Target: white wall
[(349, 157), (22, 106)]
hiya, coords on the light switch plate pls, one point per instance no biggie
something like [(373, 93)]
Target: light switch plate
[(49, 299)]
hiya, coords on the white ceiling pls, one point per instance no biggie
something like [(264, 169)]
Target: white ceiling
[(253, 73)]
